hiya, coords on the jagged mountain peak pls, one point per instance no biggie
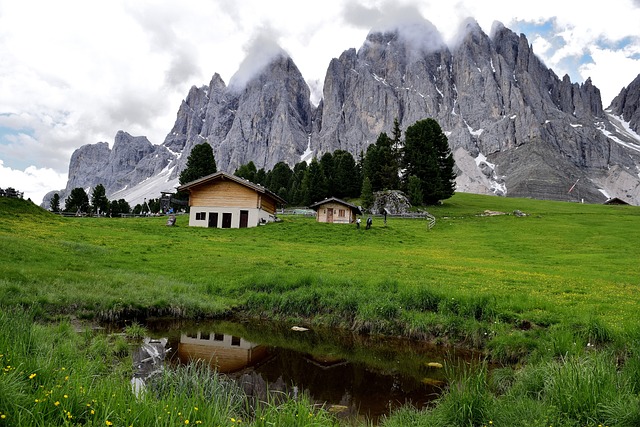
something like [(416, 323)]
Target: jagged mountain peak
[(417, 33), (262, 52), (468, 31), (627, 104)]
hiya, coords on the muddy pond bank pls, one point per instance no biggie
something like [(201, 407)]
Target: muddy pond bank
[(356, 376)]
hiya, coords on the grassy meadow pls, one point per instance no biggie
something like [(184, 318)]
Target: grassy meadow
[(552, 296)]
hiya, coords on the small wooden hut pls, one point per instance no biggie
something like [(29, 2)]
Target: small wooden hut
[(222, 200), (334, 210)]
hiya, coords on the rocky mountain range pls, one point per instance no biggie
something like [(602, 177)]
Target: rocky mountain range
[(514, 126)]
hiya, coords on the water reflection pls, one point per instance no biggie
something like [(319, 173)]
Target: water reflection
[(352, 374), (148, 360), (225, 353)]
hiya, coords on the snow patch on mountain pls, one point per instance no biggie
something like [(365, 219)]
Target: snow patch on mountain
[(149, 188)]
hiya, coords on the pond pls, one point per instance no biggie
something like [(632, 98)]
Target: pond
[(352, 375)]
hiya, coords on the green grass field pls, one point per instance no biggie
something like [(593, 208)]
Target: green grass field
[(531, 290)]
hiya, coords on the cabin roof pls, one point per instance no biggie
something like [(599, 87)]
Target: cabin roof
[(615, 201), (223, 176), (317, 205)]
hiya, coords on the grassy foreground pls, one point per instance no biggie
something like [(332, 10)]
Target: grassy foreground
[(554, 295)]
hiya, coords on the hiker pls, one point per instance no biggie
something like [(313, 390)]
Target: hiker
[(369, 222)]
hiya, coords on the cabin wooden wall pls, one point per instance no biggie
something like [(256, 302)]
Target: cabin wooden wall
[(322, 215), (224, 193)]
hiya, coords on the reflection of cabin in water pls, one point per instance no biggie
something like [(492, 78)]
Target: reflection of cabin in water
[(226, 353), (334, 210), (221, 200)]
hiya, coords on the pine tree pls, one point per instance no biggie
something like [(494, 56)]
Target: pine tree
[(380, 164), (428, 157), (346, 179), (247, 172), (296, 189), (278, 179), (200, 163), (397, 142), (54, 204), (99, 200), (367, 193), (414, 191), (314, 183), (78, 201)]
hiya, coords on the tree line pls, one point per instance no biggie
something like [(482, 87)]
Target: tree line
[(79, 202), (421, 165)]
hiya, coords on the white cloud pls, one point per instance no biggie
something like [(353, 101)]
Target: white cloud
[(75, 72), (33, 182)]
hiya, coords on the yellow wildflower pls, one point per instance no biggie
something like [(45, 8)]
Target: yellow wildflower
[(32, 376), (57, 403)]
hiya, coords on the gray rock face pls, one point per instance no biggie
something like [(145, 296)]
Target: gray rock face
[(266, 121), (627, 104), (393, 201), (131, 161), (514, 127)]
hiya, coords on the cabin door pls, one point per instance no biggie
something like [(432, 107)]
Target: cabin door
[(226, 220), (244, 219), (329, 214), (213, 219)]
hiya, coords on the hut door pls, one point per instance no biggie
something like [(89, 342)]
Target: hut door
[(329, 214), (244, 219), (213, 219), (226, 220)]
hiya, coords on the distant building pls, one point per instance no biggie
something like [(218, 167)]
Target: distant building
[(334, 210), (221, 200), (615, 201)]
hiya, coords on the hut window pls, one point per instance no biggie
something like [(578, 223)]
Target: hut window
[(341, 212), (235, 341), (201, 216)]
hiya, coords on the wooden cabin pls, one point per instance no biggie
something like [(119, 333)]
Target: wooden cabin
[(222, 200), (615, 201), (336, 211)]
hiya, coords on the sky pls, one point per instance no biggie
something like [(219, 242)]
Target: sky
[(75, 72)]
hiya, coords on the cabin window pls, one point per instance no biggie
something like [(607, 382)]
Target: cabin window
[(204, 335), (235, 341), (218, 337), (341, 212), (201, 216)]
